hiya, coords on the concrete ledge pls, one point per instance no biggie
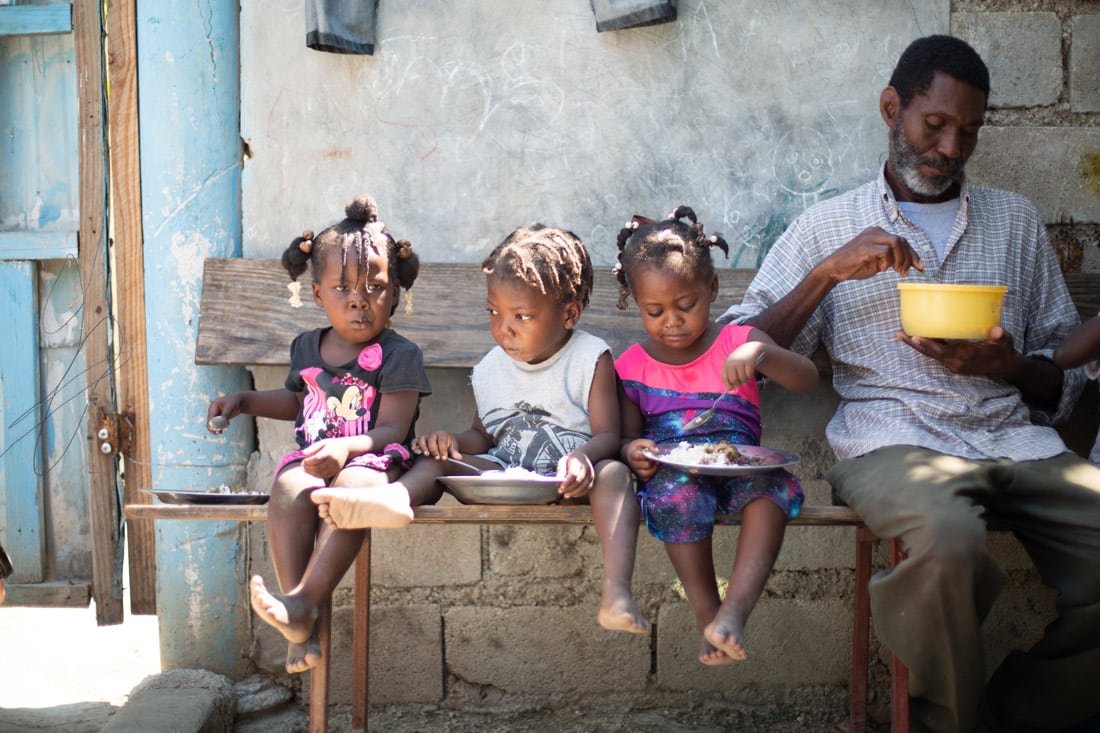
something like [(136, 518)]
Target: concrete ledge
[(178, 701)]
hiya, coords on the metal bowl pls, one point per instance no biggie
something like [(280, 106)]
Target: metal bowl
[(499, 487)]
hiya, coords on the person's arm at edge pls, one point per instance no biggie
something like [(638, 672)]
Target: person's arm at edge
[(1080, 346), (603, 413), (277, 404)]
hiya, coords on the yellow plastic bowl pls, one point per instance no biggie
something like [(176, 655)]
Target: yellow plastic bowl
[(940, 311)]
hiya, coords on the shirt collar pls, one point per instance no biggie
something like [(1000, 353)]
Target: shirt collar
[(890, 202)]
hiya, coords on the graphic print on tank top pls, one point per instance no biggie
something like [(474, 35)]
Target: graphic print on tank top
[(526, 438)]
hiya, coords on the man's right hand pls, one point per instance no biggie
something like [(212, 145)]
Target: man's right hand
[(874, 250)]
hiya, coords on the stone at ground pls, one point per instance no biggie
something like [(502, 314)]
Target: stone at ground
[(181, 700), (259, 693), (77, 717), (286, 719)]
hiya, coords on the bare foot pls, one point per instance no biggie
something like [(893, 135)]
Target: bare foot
[(725, 634), (713, 657), (289, 617), (377, 506), (302, 657), (621, 614)]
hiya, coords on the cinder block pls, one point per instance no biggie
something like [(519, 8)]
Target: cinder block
[(543, 651), (400, 558), (546, 551), (410, 557), (651, 563), (816, 548), (406, 656), (1084, 64), (791, 643), (1048, 165), (1023, 52)]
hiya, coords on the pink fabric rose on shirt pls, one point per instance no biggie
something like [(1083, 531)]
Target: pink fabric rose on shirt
[(370, 358)]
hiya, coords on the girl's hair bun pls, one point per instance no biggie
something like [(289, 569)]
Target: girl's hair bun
[(362, 208)]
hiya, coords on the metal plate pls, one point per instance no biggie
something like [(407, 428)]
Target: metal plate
[(499, 487), (773, 459), (205, 497)]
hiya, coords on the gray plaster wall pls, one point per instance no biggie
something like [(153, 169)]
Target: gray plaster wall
[(473, 118)]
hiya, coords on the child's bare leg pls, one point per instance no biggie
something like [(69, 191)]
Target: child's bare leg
[(291, 524), (762, 527), (349, 506), (291, 533), (615, 513), (330, 553), (694, 565), (294, 614)]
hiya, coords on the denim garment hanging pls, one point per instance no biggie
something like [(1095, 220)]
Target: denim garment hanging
[(341, 26), (613, 15)]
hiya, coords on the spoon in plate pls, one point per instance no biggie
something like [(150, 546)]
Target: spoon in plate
[(464, 464), (705, 416)]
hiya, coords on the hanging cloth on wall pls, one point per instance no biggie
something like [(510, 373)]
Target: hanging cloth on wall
[(613, 15), (341, 26)]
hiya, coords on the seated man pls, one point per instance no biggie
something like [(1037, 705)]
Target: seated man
[(934, 438)]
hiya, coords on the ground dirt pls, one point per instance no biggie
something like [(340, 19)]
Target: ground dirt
[(59, 671)]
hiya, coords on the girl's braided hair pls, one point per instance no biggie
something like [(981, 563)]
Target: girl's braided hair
[(672, 244), (356, 236), (553, 260)]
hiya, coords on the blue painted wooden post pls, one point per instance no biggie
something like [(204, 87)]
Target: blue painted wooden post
[(189, 108), (21, 466)]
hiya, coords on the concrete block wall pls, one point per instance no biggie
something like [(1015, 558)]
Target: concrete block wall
[(1042, 132), (480, 614)]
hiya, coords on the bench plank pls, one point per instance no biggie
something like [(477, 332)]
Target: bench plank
[(246, 316), (462, 514)]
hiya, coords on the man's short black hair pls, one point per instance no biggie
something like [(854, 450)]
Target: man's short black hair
[(946, 54)]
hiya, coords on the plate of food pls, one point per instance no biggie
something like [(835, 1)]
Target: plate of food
[(507, 486), (722, 458), (218, 495)]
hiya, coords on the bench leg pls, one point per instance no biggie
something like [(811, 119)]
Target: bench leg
[(318, 677), (861, 640), (861, 631), (899, 674), (360, 672)]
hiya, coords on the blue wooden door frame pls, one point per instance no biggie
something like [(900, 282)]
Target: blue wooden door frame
[(22, 429)]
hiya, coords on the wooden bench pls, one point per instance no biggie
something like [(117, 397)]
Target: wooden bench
[(246, 319)]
